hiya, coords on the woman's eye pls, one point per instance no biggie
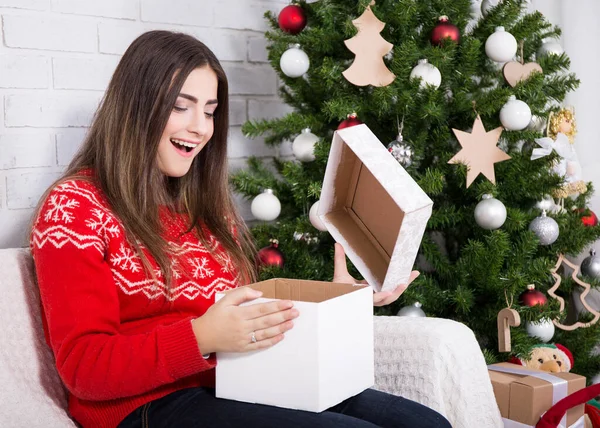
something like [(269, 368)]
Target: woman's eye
[(209, 115), (176, 108)]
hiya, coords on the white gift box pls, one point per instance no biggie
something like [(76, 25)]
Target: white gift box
[(378, 213), (324, 359), (373, 207)]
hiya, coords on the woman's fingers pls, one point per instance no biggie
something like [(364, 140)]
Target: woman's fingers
[(384, 298), (273, 319), (272, 332), (261, 309)]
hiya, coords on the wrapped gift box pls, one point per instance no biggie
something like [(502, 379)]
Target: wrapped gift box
[(373, 207), (326, 358), (523, 398)]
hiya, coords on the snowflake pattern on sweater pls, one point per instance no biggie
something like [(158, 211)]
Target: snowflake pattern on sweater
[(76, 214)]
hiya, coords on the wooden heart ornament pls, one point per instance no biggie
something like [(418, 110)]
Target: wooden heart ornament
[(515, 72)]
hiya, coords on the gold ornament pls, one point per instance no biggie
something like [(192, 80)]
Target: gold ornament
[(563, 122)]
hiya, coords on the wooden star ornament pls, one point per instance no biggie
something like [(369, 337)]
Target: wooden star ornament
[(479, 151)]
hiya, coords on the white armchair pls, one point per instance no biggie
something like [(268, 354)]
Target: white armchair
[(433, 361)]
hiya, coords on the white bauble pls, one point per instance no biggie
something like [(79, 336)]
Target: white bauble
[(490, 213), (515, 115), (303, 146), (550, 47), (314, 218), (294, 62), (543, 330), (429, 74), (486, 5), (596, 379), (266, 206), (501, 46)]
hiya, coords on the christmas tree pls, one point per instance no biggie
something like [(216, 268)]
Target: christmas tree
[(474, 112)]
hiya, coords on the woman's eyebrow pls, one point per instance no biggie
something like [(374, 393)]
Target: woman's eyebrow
[(195, 100)]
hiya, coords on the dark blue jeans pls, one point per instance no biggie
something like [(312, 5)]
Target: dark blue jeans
[(199, 408)]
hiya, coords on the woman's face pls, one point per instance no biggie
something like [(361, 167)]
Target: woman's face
[(191, 123)]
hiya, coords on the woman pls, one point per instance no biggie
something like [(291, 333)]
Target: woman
[(132, 243)]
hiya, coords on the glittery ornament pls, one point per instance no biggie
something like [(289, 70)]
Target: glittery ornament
[(591, 265), (306, 237), (399, 149), (545, 228), (413, 310), (490, 213)]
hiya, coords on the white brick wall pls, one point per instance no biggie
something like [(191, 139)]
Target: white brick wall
[(57, 56)]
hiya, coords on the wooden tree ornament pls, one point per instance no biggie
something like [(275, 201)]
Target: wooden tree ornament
[(586, 286), (369, 47)]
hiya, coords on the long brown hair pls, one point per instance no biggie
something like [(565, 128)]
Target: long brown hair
[(122, 145)]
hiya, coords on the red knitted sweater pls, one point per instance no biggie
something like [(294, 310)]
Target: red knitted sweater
[(119, 339)]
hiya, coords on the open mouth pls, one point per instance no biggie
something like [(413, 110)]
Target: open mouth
[(183, 145)]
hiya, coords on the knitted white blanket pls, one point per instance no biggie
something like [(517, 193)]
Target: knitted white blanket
[(438, 363)]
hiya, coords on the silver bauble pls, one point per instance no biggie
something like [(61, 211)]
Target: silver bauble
[(486, 5), (543, 330), (490, 213), (550, 47), (537, 123), (590, 266), (413, 310), (401, 151), (545, 228)]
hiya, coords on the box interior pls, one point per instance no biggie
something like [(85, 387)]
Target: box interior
[(364, 213), (302, 290)]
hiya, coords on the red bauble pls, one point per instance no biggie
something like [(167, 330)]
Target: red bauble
[(444, 30), (589, 220), (271, 255), (532, 297), (292, 19), (352, 120)]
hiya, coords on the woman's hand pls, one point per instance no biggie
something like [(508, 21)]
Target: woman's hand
[(228, 327), (340, 274)]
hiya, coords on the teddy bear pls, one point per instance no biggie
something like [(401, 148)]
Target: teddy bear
[(552, 358)]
